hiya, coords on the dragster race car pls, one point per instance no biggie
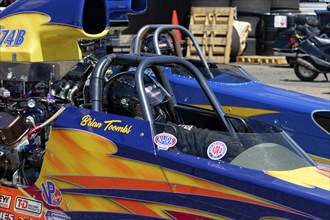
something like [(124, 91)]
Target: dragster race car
[(67, 157), (305, 118)]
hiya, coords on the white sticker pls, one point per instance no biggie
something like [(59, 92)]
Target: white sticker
[(5, 201), (216, 150), (28, 206), (187, 127), (164, 141), (280, 21), (56, 215)]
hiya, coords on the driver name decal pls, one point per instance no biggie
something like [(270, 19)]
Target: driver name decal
[(108, 125), (111, 126)]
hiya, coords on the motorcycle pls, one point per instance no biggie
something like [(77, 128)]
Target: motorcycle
[(287, 42), (313, 58)]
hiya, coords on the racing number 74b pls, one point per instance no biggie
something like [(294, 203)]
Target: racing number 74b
[(12, 38)]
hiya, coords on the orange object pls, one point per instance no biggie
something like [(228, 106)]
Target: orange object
[(175, 21)]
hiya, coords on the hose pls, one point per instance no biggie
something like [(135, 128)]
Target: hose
[(46, 123)]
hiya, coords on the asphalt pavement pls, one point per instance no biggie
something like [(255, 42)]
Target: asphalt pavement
[(282, 76)]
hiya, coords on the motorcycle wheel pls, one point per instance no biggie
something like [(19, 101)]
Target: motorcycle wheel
[(304, 74)]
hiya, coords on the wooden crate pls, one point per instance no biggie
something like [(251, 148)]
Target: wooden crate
[(212, 29)]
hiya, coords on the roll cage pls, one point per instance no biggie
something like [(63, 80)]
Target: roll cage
[(142, 61)]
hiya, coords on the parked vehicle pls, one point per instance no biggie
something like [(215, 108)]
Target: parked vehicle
[(61, 161), (313, 58), (287, 42)]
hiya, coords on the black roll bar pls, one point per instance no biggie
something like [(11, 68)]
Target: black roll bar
[(143, 61), (169, 60), (160, 28)]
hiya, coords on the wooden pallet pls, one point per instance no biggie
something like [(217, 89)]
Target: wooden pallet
[(278, 60), (212, 28)]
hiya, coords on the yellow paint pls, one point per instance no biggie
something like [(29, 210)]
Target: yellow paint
[(320, 159), (75, 152), (308, 177), (160, 210), (242, 111), (83, 203), (43, 41), (178, 178)]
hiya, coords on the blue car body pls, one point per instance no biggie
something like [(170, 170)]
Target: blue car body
[(59, 161), (305, 118)]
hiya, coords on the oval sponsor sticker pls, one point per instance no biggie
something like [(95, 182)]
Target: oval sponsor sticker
[(216, 150), (51, 194), (164, 141)]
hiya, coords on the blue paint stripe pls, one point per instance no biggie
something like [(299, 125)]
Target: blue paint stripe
[(221, 207), (106, 215)]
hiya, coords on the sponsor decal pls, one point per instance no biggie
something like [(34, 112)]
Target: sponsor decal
[(11, 37), (187, 127), (56, 215), (164, 141), (109, 125), (28, 206), (51, 194), (22, 218), (216, 150), (6, 216), (5, 201), (148, 71)]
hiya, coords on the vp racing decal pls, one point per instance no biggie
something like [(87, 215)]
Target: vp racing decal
[(51, 194)]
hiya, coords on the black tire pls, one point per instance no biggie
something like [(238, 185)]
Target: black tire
[(265, 48), (252, 6), (210, 3), (251, 47), (285, 4), (285, 11), (304, 74), (254, 20), (235, 45)]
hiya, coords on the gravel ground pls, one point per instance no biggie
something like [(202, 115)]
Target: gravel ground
[(284, 77)]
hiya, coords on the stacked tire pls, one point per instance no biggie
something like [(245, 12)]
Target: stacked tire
[(210, 3), (269, 31), (284, 6), (255, 12), (251, 11)]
